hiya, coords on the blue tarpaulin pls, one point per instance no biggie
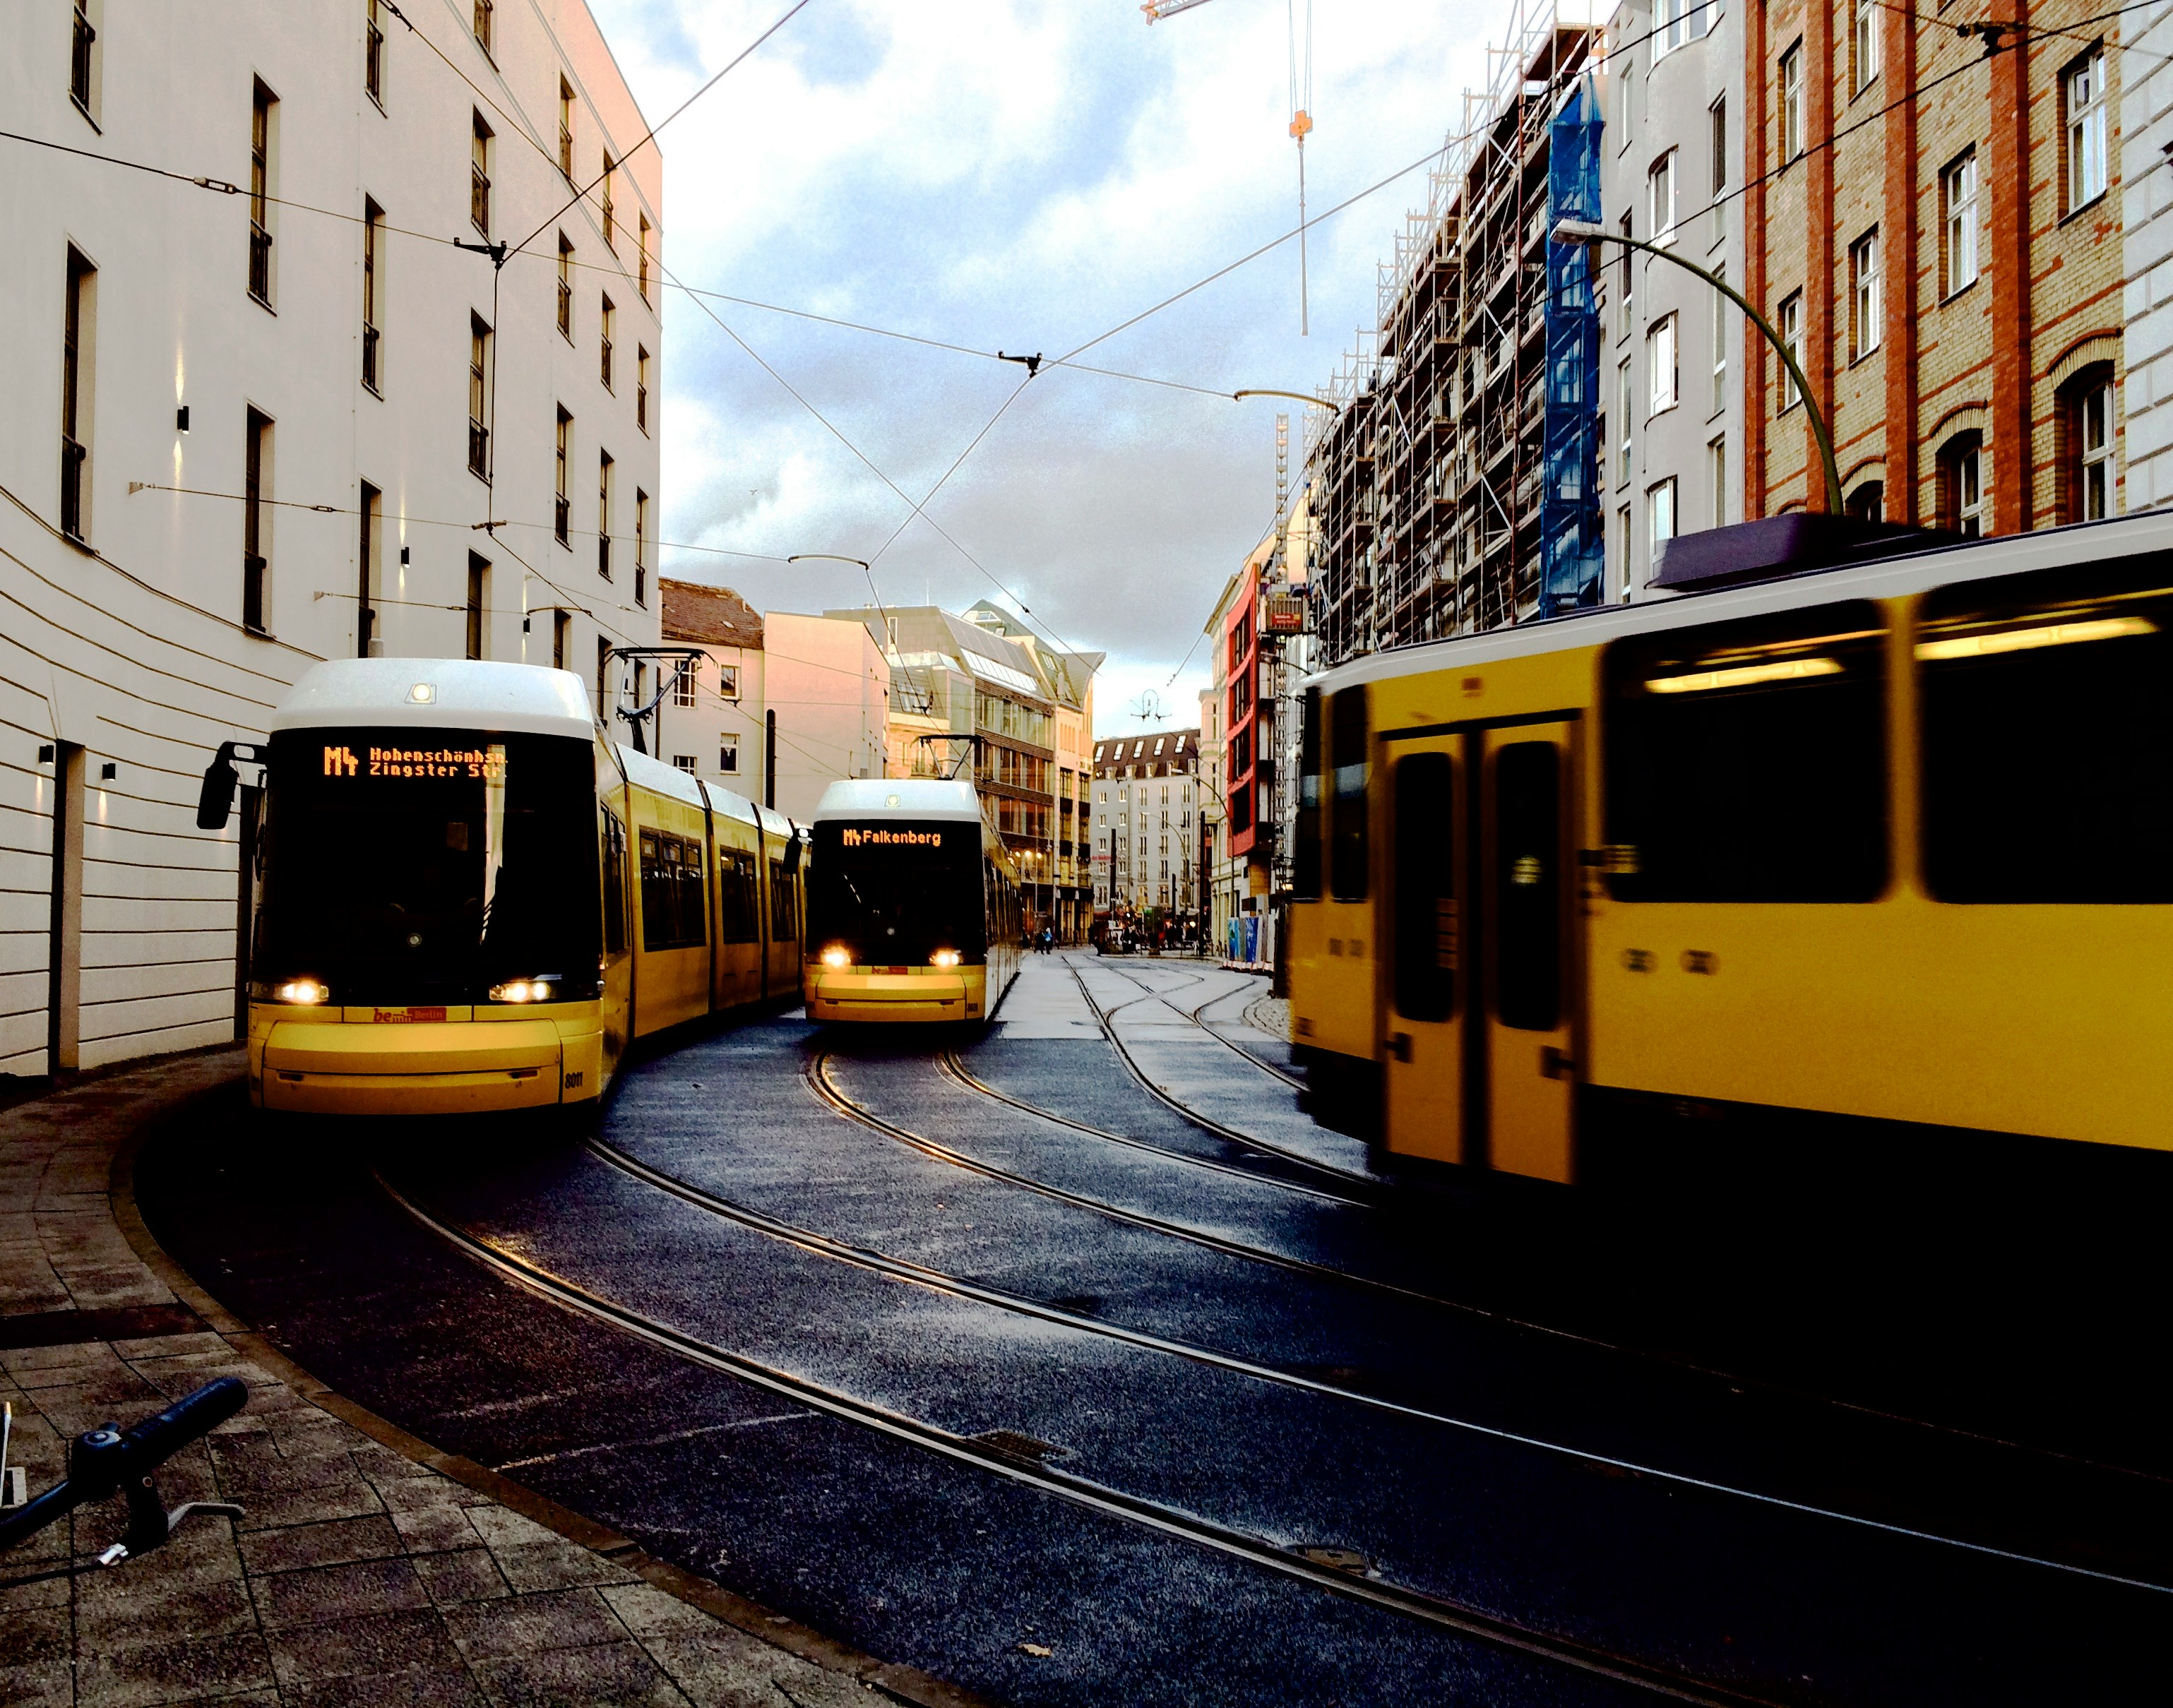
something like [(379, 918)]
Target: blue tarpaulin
[(1572, 546)]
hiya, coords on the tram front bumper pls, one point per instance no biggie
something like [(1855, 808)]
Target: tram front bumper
[(428, 1068), (834, 996)]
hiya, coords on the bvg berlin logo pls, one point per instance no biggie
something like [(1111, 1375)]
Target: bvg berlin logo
[(340, 762)]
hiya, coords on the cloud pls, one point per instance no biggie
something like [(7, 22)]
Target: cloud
[(1021, 176)]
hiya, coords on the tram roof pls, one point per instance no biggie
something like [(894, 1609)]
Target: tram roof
[(456, 693), (1883, 578), (900, 797), (659, 778)]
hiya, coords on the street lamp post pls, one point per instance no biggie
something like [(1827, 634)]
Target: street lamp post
[(1581, 231)]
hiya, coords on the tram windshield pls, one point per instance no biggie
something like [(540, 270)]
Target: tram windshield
[(426, 866), (894, 891)]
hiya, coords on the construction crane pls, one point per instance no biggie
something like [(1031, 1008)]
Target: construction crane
[(1301, 124)]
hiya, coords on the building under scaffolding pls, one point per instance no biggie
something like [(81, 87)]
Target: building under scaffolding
[(1455, 487)]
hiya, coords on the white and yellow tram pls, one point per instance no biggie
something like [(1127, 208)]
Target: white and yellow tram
[(912, 904), (467, 899)]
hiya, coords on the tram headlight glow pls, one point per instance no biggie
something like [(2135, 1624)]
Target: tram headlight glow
[(521, 990), (836, 954), (944, 957), (304, 992)]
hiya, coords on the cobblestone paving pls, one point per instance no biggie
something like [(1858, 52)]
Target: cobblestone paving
[(357, 1577)]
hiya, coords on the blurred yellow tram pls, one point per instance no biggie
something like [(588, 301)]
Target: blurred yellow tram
[(1851, 861), (912, 904), (466, 899)]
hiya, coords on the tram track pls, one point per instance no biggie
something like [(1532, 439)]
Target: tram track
[(1443, 1613), (1195, 1015)]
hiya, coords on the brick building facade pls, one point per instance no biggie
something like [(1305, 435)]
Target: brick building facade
[(1936, 218)]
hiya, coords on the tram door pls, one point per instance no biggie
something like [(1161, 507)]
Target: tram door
[(1479, 1061)]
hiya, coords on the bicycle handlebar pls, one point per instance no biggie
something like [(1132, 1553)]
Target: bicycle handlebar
[(101, 1461)]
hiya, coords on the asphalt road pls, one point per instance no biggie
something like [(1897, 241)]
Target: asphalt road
[(1175, 1387)]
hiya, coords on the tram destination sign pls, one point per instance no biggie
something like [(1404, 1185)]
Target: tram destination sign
[(851, 836), (488, 763)]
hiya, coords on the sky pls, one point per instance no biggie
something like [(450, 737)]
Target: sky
[(1024, 177)]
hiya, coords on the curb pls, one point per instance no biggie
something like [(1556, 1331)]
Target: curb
[(902, 1684)]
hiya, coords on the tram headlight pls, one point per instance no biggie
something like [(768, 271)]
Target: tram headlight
[(944, 957), (303, 992), (521, 990), (836, 954)]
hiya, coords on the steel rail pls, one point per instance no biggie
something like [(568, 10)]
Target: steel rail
[(1441, 1612), (1206, 1123), (939, 1280)]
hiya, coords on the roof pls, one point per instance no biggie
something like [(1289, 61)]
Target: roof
[(708, 616), (899, 797), (1165, 745), (437, 693)]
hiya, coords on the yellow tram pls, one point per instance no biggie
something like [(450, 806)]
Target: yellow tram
[(913, 905), (1847, 859), (466, 899)]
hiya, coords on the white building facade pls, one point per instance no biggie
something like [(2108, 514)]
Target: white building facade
[(272, 402), (2146, 131), (1671, 347), (1146, 830)]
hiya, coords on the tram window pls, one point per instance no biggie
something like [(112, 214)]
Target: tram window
[(614, 884), (2046, 731), (739, 906), (1527, 884), (783, 905), (1746, 762), (672, 894), (1305, 875), (1425, 885), (1351, 850)]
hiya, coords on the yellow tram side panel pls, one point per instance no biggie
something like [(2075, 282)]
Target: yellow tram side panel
[(1334, 1004), (783, 951), (739, 965), (670, 985)]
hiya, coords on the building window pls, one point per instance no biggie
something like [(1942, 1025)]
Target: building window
[(372, 509), (641, 548), (1666, 372), (1723, 312), (728, 754), (1625, 394), (1622, 532), (728, 682), (256, 535), (1660, 515), (1660, 189), (478, 582), (373, 284), (2086, 426), (1867, 503), (561, 623), (1792, 103), (1672, 27), (1964, 484), (479, 177), (610, 317), (641, 387), (562, 509), (603, 513), (1792, 341), (1628, 225), (2082, 92), (683, 762), (643, 256), (684, 682), (565, 287), (566, 129), (76, 392), (1717, 464), (261, 134), (1719, 146), (1864, 308), (1958, 224), (482, 11), (1622, 115), (610, 240), (478, 398), (1863, 43), (82, 61), (372, 53)]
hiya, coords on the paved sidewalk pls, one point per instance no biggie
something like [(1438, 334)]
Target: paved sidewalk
[(369, 1568)]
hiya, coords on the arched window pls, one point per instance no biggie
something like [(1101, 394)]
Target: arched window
[(1867, 503), (2087, 471), (1966, 485)]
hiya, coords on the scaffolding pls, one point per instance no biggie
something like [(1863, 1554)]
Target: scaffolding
[(1435, 498)]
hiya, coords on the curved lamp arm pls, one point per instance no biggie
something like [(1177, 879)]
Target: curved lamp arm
[(1579, 231)]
